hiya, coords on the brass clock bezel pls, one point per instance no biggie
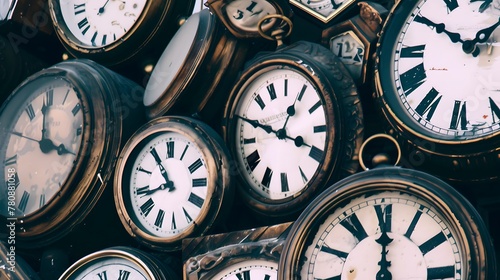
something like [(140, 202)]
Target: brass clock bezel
[(318, 16), (219, 182), (476, 244)]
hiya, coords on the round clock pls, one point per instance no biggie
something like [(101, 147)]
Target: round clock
[(248, 269), (119, 263), (389, 223), (435, 82), (293, 123), (62, 129), (184, 81), (112, 32), (172, 181)]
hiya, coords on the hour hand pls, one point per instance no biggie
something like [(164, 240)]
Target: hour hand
[(440, 28), (255, 123), (469, 46)]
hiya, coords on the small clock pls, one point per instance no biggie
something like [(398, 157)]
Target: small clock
[(194, 72), (322, 10), (172, 181), (119, 262), (242, 17), (435, 82), (389, 223), (293, 122), (62, 131), (114, 32)]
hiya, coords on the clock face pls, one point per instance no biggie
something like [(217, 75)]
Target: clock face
[(383, 234), (442, 72), (280, 127), (249, 269), (111, 267), (246, 14), (6, 7), (322, 9), (45, 123), (100, 23), (168, 184)]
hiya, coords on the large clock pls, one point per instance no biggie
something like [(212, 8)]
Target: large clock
[(389, 223), (435, 81)]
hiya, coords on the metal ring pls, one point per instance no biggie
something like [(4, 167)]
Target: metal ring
[(389, 141), (278, 16)]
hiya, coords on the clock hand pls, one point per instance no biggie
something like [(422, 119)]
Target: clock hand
[(469, 46), (21, 135), (101, 9), (440, 28), (254, 123), (61, 150), (44, 115), (384, 240), (169, 186), (290, 110)]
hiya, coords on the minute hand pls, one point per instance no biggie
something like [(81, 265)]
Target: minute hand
[(440, 28), (469, 46)]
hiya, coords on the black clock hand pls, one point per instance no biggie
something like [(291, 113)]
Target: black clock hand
[(469, 46), (101, 9), (168, 184), (44, 115), (384, 240), (255, 124), (290, 110), (165, 186), (440, 28), (61, 150), (21, 135)]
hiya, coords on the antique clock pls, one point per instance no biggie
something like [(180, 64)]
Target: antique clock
[(62, 129), (114, 32), (172, 181), (119, 262), (389, 223), (435, 82), (194, 72), (245, 254), (293, 123)]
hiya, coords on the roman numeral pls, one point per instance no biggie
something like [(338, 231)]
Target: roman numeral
[(301, 93), (429, 104), (170, 149), (432, 243), (245, 275), (451, 4), (92, 40), (195, 165), (104, 37), (103, 275), (159, 218), (41, 202), (353, 225), (155, 155), (286, 87), (10, 161), (495, 111), (253, 160), (144, 170), (79, 8), (184, 152), (49, 97), (284, 182), (443, 272), (24, 201), (340, 254), (266, 179), (413, 51), (319, 128), (76, 109), (260, 102), (142, 190), (196, 200), (188, 218), (316, 154), (252, 6), (272, 91), (248, 140), (303, 176), (147, 206), (84, 24), (413, 78), (384, 215), (123, 275), (314, 107), (459, 115), (199, 182), (414, 222), (30, 111), (173, 225), (79, 131)]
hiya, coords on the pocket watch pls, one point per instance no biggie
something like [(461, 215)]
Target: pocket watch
[(244, 254), (435, 81), (389, 223), (172, 181), (62, 130), (293, 122), (113, 32), (119, 262), (194, 72)]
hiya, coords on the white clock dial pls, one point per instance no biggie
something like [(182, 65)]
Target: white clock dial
[(168, 184), (112, 267), (100, 23), (280, 133), (383, 235), (250, 269), (446, 70), (6, 7), (42, 143)]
